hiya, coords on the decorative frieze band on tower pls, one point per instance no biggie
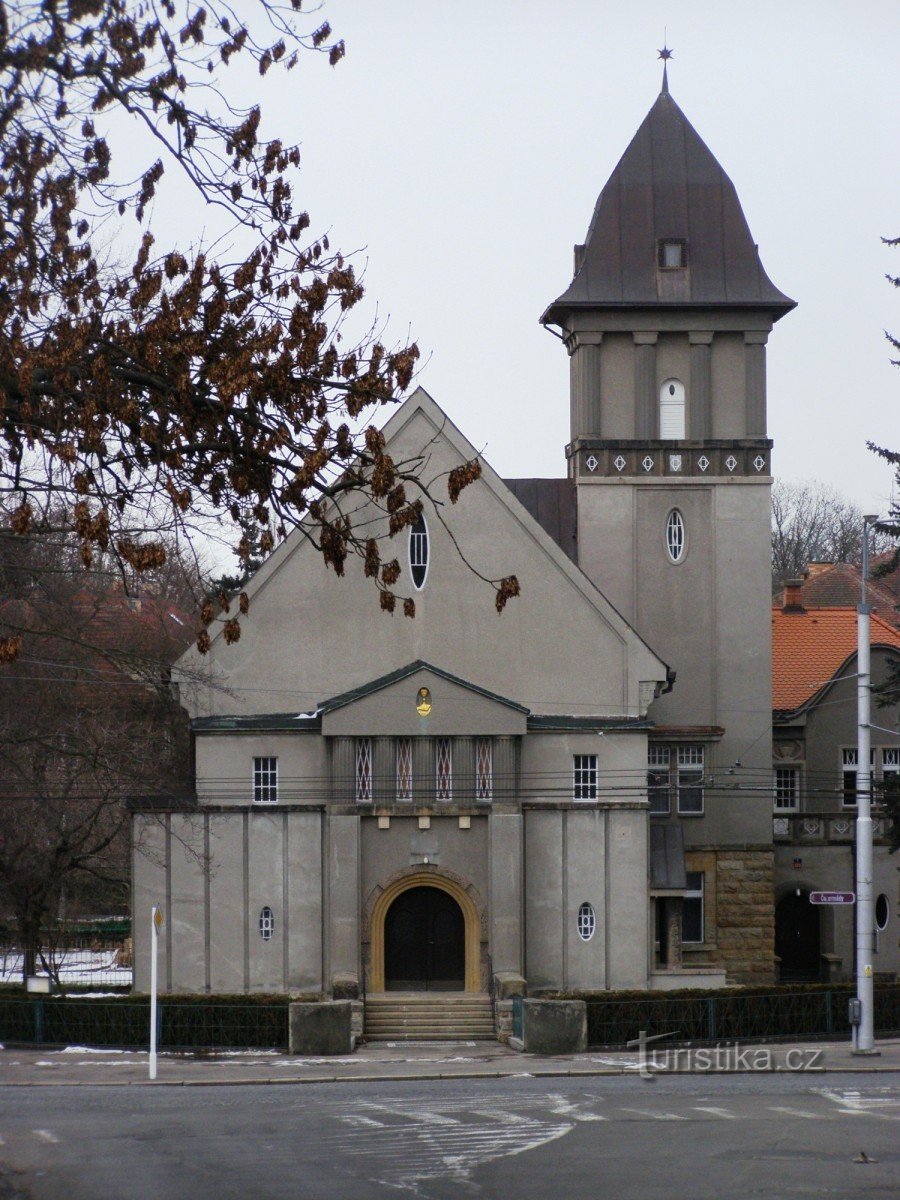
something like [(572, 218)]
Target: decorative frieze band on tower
[(755, 357)]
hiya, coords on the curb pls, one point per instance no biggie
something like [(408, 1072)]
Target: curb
[(431, 1077)]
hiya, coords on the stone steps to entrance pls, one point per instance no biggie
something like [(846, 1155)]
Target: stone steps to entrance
[(429, 1016)]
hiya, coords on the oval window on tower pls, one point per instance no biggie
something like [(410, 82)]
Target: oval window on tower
[(587, 922), (418, 552), (675, 535)]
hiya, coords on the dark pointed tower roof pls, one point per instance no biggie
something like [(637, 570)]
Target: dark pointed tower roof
[(668, 186)]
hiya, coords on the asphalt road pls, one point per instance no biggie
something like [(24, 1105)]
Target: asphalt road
[(564, 1139)]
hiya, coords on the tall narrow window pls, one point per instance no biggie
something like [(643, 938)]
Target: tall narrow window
[(443, 769), (690, 779), (671, 410), (849, 761), (484, 769), (787, 789), (363, 770), (659, 791), (692, 908), (890, 770), (418, 552), (266, 923), (265, 780), (675, 535), (585, 777), (404, 769)]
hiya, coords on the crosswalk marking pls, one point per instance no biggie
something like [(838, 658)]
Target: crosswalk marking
[(45, 1135), (715, 1112), (655, 1116), (794, 1112)]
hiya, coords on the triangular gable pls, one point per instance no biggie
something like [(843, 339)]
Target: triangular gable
[(421, 699)]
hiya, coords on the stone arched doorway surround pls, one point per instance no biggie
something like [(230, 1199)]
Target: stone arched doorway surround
[(463, 892)]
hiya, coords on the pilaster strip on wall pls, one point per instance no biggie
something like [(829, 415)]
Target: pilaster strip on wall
[(700, 423), (646, 399), (207, 861), (755, 359), (285, 901), (168, 910), (246, 901)]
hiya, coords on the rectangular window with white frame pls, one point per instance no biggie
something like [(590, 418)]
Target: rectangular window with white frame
[(692, 908), (265, 780), (404, 769), (787, 789), (585, 777), (443, 769), (849, 781), (890, 771), (690, 780), (659, 790), (364, 770), (484, 769)]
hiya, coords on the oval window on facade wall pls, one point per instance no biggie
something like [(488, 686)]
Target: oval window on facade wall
[(266, 923), (418, 552), (675, 542), (587, 922), (882, 912), (671, 410)]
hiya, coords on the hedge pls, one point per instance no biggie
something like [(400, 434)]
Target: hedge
[(733, 1014), (184, 1022)]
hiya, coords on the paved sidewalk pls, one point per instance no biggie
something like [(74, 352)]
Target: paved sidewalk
[(387, 1061)]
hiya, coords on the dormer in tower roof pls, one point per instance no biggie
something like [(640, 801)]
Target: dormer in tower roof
[(668, 229)]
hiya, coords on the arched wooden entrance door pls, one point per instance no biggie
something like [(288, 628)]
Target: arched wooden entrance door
[(424, 942), (798, 938)]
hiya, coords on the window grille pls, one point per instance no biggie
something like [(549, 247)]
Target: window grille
[(659, 791), (692, 908), (675, 536), (587, 922), (585, 777), (484, 769), (404, 769), (443, 769), (418, 552), (266, 923), (787, 789), (690, 779), (265, 780), (363, 770)]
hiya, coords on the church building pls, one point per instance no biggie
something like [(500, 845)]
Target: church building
[(572, 794)]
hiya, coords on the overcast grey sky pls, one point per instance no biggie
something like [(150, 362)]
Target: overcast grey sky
[(463, 147)]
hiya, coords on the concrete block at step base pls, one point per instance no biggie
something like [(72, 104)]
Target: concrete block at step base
[(508, 984), (323, 1028), (554, 1026)]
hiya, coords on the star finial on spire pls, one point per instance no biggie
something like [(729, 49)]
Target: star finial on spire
[(665, 54)]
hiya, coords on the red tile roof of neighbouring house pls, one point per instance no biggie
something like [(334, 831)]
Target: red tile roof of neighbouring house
[(809, 647)]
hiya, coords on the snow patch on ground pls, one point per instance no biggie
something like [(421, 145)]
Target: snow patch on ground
[(91, 1050)]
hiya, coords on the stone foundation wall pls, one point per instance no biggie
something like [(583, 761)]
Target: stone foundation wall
[(745, 915)]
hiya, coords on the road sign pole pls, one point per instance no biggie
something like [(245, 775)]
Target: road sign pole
[(155, 922), (865, 924)]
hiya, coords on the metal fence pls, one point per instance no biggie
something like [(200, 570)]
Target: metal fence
[(734, 1016), (93, 959), (181, 1025)]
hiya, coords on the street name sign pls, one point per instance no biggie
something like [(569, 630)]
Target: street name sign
[(832, 897)]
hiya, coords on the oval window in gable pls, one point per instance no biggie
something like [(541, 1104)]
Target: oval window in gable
[(675, 542), (418, 552)]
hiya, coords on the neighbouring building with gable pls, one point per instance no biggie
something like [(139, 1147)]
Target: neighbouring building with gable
[(575, 794), (814, 697)]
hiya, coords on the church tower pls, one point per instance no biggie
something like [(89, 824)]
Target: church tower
[(666, 322)]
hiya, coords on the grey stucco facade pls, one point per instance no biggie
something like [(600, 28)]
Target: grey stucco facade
[(557, 771)]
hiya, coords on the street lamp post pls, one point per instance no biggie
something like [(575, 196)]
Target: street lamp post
[(864, 1033)]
